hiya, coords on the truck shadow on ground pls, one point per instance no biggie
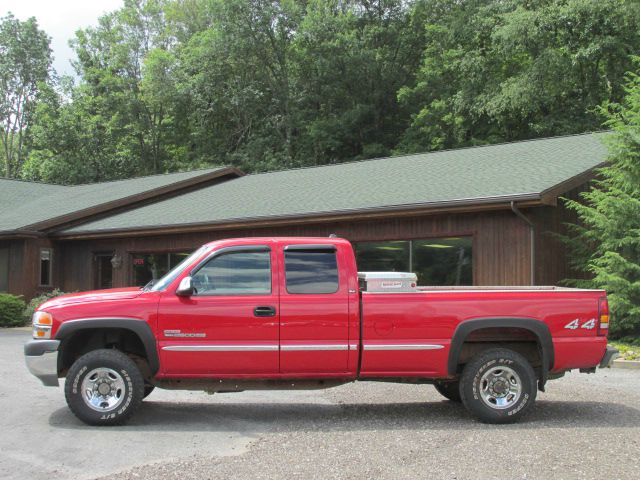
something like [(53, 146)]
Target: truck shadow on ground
[(259, 417)]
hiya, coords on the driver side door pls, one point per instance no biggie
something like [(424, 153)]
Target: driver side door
[(230, 325)]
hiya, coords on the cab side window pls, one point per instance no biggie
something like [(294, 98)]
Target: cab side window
[(311, 270), (235, 273)]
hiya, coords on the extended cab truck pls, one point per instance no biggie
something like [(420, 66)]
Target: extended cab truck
[(290, 313)]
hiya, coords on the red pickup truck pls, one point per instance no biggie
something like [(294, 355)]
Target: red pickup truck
[(281, 313)]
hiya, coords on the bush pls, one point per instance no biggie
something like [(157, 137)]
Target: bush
[(37, 301), (11, 310)]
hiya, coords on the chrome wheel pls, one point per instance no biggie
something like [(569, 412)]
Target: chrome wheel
[(103, 389), (500, 387)]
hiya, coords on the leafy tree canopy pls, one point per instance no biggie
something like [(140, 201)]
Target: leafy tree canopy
[(25, 66), (165, 85)]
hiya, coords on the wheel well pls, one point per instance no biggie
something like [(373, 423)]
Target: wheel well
[(86, 340), (520, 340)]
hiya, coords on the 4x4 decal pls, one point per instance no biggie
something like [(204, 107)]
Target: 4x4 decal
[(575, 324)]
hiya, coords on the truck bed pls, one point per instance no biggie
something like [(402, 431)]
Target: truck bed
[(420, 325)]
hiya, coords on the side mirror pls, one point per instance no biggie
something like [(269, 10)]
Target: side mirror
[(185, 289)]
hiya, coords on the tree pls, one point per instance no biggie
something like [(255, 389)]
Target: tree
[(516, 69), (166, 85), (351, 58), (76, 137), (116, 121), (25, 66), (282, 84), (606, 243), (238, 78)]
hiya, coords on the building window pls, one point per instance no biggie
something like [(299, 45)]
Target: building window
[(236, 273), (311, 271), (152, 266), (104, 270), (383, 256), (46, 260), (436, 261), (4, 269)]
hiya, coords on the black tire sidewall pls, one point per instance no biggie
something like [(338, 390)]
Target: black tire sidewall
[(115, 360), (471, 385)]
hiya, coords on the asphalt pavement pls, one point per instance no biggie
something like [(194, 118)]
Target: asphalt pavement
[(583, 427)]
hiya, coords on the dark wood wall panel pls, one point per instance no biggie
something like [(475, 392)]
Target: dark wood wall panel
[(500, 244), (17, 283), (24, 266), (552, 256)]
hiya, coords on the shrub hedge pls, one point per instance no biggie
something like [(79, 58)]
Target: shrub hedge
[(11, 310)]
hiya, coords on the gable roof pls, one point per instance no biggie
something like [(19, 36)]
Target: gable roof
[(531, 172), (30, 206)]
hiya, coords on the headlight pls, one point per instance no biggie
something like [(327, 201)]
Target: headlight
[(42, 323)]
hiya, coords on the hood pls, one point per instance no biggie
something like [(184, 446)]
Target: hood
[(92, 296)]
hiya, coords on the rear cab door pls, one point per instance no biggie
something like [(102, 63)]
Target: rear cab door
[(318, 308)]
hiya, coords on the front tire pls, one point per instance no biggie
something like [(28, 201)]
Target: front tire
[(104, 387), (498, 386)]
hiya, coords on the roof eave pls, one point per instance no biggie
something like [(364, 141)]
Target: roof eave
[(20, 234), (550, 195), (452, 206), (131, 201)]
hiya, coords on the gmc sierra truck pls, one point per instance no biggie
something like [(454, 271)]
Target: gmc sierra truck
[(282, 313)]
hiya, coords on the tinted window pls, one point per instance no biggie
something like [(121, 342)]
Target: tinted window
[(45, 266), (309, 271), (235, 273), (383, 256), (436, 261), (443, 261)]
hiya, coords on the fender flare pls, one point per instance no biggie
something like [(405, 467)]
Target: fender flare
[(538, 328), (137, 326)]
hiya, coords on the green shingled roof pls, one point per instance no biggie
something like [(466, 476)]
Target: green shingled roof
[(519, 171), (23, 204)]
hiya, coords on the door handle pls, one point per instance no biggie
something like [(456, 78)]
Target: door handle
[(264, 311)]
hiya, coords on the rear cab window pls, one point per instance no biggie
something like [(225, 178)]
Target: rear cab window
[(311, 269)]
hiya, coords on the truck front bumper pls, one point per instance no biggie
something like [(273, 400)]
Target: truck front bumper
[(609, 355), (42, 360)]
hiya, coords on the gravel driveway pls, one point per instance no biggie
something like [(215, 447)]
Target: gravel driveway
[(585, 426)]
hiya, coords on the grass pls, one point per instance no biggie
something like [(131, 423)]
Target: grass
[(628, 351)]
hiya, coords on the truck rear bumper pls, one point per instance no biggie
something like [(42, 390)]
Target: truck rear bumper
[(608, 357), (41, 357)]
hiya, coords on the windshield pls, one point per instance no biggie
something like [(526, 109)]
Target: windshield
[(164, 282)]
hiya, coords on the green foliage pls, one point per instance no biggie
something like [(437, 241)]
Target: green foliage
[(629, 348), (35, 302), (606, 244), (25, 63), (11, 310), (166, 85), (516, 69)]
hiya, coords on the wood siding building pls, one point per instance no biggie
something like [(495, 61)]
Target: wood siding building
[(482, 216)]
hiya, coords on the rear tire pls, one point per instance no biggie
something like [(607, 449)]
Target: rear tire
[(449, 390), (498, 386), (104, 387)]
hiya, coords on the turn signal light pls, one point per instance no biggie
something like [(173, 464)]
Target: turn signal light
[(42, 318), (42, 323), (603, 316)]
